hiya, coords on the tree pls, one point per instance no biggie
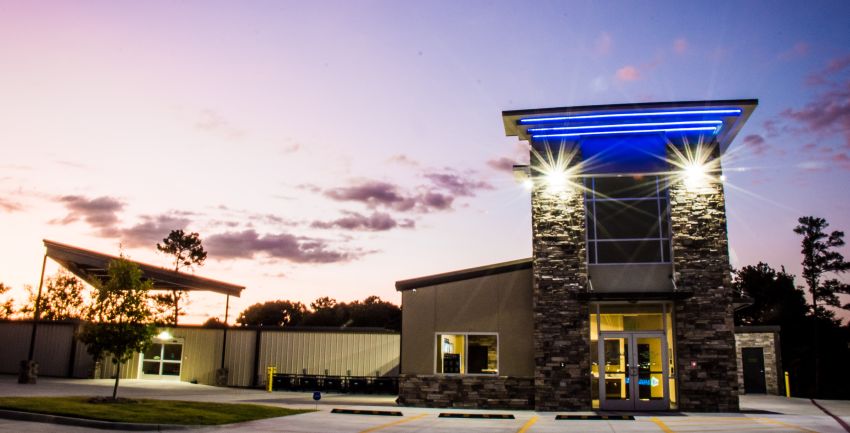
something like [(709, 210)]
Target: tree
[(187, 251), (63, 299), (121, 317), (775, 298), (213, 322), (820, 258), (7, 309), (273, 313), (374, 312)]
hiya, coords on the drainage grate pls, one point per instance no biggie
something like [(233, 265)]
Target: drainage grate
[(477, 415), (595, 417), (367, 412)]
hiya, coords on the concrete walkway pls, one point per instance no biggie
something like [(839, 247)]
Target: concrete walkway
[(760, 413)]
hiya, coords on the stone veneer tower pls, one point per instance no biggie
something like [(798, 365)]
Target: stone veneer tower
[(700, 293), (561, 325)]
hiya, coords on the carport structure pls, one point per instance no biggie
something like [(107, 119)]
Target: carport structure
[(92, 266)]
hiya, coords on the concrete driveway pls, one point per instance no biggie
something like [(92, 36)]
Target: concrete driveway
[(760, 413)]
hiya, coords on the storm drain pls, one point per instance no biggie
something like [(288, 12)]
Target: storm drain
[(477, 415), (595, 417), (367, 412)]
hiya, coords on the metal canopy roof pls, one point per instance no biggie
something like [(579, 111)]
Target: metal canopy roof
[(719, 121), (91, 266)]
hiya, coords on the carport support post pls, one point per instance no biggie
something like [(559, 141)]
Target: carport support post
[(29, 368), (224, 341), (221, 375)]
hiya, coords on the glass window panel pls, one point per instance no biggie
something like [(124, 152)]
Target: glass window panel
[(616, 351), (482, 357), (665, 251), (591, 252), (629, 252), (665, 218), (450, 353), (171, 369), (625, 187), (154, 351), (635, 219), (150, 367), (591, 227), (172, 352)]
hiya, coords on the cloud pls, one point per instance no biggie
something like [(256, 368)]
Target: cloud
[(828, 114), (374, 194), (403, 160), (603, 44), (376, 222), (9, 206), (457, 184), (628, 73), (799, 49), (833, 66), (248, 244), (756, 143), (151, 230), (502, 164), (100, 213), (213, 122), (680, 46)]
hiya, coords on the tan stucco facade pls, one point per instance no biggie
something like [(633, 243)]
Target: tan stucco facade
[(498, 303)]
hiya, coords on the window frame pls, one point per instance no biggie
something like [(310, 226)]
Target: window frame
[(464, 362), (662, 194)]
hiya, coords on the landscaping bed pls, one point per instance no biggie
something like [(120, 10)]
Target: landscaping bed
[(146, 410)]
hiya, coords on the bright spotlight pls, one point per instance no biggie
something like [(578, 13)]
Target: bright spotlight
[(164, 335), (528, 184), (556, 180)]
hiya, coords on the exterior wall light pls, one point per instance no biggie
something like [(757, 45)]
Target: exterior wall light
[(164, 335)]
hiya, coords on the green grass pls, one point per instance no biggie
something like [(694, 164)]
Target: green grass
[(147, 411)]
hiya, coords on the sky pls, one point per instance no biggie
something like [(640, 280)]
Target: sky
[(332, 148)]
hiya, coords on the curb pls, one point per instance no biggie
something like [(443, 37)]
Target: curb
[(92, 423), (836, 418)]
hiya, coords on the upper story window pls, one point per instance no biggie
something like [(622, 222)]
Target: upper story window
[(628, 220)]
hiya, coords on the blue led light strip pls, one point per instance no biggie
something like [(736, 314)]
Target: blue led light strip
[(630, 131), (626, 125), (733, 111)]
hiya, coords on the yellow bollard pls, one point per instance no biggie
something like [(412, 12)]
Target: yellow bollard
[(787, 386), (271, 371)]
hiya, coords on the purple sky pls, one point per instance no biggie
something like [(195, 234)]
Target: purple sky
[(332, 148)]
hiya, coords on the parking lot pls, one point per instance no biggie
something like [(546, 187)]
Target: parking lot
[(759, 413)]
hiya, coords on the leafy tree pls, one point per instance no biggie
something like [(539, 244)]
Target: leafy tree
[(820, 258), (187, 250), (272, 313), (775, 298), (121, 317), (325, 311), (374, 312), (213, 322), (64, 298), (7, 309)]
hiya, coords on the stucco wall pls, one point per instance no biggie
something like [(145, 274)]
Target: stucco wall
[(495, 303)]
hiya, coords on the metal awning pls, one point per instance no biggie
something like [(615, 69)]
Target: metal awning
[(92, 266)]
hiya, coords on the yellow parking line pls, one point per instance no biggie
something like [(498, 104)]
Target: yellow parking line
[(390, 424), (527, 425), (661, 425), (785, 424)]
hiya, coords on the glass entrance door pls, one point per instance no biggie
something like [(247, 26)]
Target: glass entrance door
[(634, 371), (162, 360)]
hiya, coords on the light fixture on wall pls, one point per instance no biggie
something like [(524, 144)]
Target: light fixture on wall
[(555, 167), (164, 335), (697, 166)]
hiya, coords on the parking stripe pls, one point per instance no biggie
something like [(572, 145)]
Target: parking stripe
[(785, 424), (661, 425), (527, 425), (390, 424)]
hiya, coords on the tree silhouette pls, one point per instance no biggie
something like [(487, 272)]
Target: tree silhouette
[(187, 250)]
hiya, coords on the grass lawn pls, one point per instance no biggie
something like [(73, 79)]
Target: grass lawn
[(147, 411)]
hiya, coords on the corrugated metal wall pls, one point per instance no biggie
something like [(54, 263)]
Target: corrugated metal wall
[(291, 351), (54, 343), (338, 353)]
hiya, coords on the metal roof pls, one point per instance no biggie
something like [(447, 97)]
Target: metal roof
[(92, 266), (720, 120), (463, 274)]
